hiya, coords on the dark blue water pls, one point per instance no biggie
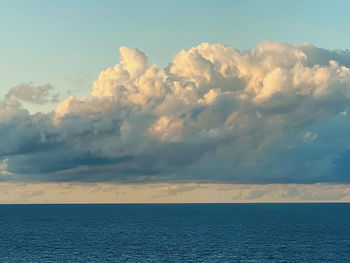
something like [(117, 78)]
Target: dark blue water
[(175, 233)]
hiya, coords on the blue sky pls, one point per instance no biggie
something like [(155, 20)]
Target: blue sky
[(247, 97), (67, 43)]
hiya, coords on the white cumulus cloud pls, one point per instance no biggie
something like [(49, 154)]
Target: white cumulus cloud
[(213, 114)]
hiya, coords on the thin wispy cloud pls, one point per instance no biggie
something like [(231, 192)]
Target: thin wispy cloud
[(33, 94)]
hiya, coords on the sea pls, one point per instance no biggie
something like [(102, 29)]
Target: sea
[(312, 232)]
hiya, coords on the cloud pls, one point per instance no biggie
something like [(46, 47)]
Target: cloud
[(310, 137), (167, 190), (9, 109), (4, 168), (273, 114), (33, 94)]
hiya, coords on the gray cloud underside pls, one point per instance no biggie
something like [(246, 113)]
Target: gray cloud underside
[(275, 114)]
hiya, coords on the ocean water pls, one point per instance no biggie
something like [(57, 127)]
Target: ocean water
[(175, 233)]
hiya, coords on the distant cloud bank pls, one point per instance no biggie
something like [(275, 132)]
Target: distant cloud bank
[(275, 114)]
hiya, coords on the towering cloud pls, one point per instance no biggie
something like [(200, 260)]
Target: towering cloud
[(276, 113)]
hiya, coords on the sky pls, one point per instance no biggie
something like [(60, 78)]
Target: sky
[(163, 101)]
